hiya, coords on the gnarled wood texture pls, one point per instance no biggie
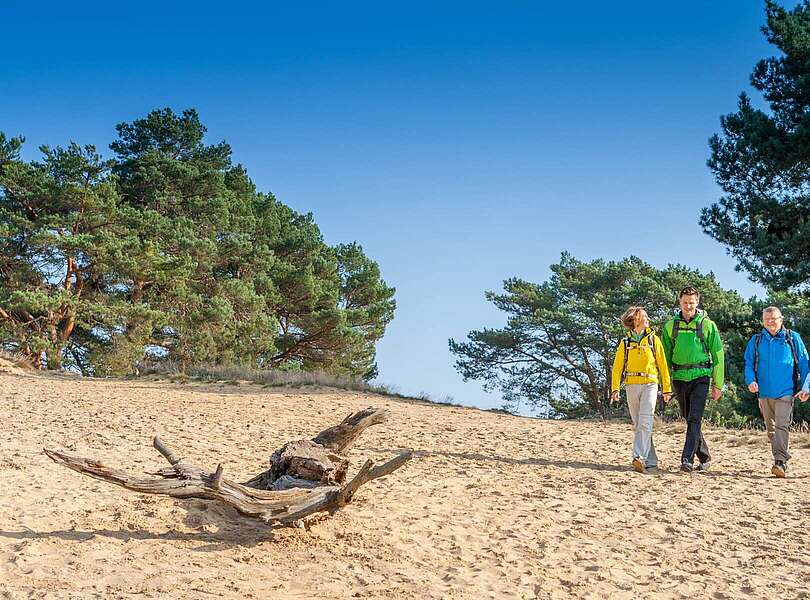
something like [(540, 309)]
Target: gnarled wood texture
[(306, 477), (340, 437)]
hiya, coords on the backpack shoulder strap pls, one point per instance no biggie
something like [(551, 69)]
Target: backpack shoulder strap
[(702, 337), (676, 326), (757, 339), (699, 331), (626, 343), (651, 341), (792, 343)]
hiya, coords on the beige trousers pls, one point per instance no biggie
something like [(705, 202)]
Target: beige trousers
[(777, 413)]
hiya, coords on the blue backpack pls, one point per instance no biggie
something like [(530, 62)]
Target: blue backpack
[(790, 342)]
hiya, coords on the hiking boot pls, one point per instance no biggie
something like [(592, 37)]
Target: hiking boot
[(686, 467), (704, 466), (779, 469), (638, 465)]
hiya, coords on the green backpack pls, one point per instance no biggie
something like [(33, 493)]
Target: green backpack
[(707, 364)]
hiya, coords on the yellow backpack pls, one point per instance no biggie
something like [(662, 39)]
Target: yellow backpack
[(629, 340)]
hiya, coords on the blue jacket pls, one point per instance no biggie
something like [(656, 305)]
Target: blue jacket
[(775, 372)]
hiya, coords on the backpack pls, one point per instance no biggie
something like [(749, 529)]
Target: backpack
[(707, 364), (627, 340), (792, 345)]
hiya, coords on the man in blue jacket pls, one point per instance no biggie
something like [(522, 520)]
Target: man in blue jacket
[(776, 368)]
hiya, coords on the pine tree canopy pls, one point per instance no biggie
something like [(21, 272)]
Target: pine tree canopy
[(761, 160), (168, 250), (557, 347)]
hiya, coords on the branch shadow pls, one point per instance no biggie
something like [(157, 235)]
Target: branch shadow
[(233, 530), (213, 541)]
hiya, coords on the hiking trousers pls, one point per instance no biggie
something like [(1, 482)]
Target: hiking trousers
[(692, 401), (777, 413), (641, 399)]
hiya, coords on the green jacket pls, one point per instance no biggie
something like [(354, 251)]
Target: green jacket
[(689, 350)]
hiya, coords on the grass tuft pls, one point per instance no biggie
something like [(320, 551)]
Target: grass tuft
[(234, 374), (17, 359)]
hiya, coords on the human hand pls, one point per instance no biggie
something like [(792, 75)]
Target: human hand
[(716, 392), (753, 387), (614, 397), (803, 395), (667, 397)]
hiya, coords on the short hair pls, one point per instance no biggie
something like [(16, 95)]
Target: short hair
[(772, 309), (629, 316), (689, 291)]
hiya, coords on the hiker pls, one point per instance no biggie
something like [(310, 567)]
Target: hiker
[(694, 352), (776, 364), (641, 367)]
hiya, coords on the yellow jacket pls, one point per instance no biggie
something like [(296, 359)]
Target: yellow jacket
[(646, 362)]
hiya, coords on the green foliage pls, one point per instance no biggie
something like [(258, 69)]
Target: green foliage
[(169, 249), (556, 350), (760, 161), (51, 219)]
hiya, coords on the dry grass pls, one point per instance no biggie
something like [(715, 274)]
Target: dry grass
[(235, 375), (17, 359), (749, 435)]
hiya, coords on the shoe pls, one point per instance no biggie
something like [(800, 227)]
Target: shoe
[(704, 466), (686, 467), (638, 465), (779, 469)]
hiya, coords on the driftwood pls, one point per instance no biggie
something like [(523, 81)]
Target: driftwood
[(305, 476)]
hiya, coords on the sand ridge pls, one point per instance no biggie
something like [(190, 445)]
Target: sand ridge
[(492, 506), (9, 368)]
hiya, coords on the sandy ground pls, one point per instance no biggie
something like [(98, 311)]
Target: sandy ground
[(492, 506)]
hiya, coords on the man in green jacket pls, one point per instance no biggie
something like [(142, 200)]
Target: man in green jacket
[(694, 353)]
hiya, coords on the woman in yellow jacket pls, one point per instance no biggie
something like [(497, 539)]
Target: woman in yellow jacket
[(641, 365)]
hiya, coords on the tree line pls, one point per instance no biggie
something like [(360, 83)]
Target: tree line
[(167, 250), (560, 335)]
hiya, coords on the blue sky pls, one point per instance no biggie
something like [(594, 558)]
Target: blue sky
[(459, 143)]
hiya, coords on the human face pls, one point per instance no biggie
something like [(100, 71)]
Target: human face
[(642, 320), (772, 321), (689, 306)]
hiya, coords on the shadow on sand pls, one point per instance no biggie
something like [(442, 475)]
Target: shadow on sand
[(232, 529), (543, 462), (578, 464)]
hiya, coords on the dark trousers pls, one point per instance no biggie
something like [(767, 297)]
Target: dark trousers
[(692, 400)]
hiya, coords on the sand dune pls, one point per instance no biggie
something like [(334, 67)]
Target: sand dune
[(492, 506)]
